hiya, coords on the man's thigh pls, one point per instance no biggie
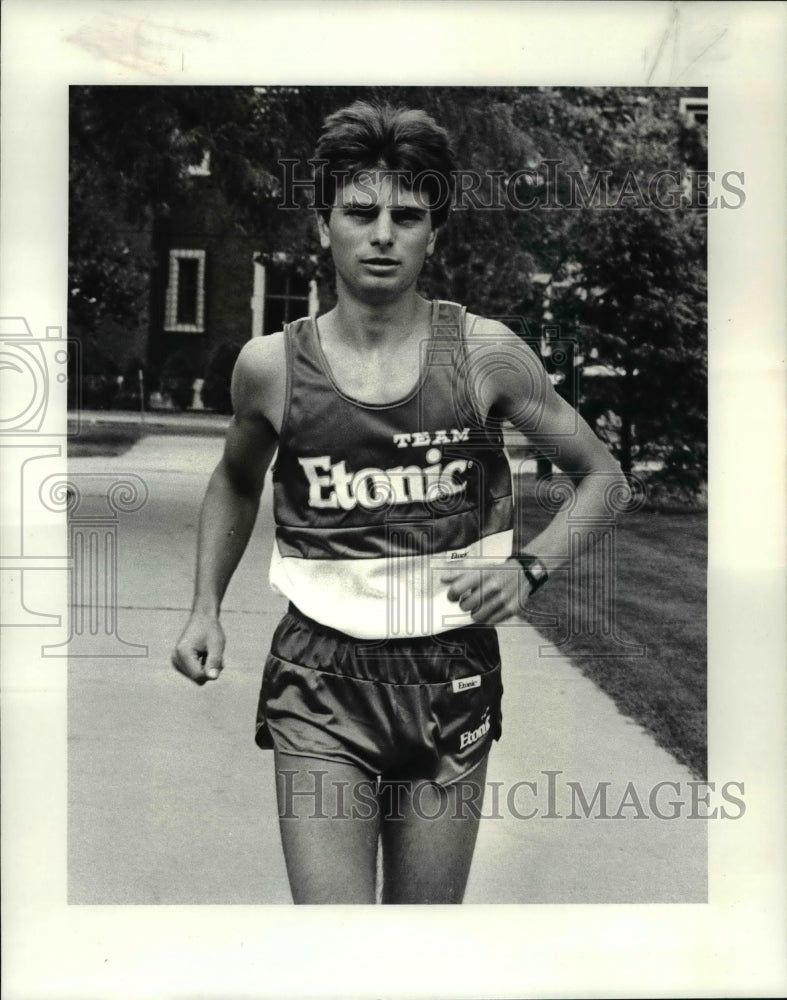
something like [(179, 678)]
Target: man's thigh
[(329, 822), (429, 836)]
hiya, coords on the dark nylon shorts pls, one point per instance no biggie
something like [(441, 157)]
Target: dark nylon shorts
[(423, 708)]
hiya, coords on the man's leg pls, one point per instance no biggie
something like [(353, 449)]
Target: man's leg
[(429, 837), (329, 822)]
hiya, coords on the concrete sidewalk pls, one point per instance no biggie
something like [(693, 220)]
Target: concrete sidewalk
[(153, 420), (171, 802)]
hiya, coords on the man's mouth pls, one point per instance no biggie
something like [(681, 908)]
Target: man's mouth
[(381, 261)]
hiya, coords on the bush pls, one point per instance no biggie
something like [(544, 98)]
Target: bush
[(682, 480), (94, 358), (666, 495), (98, 375), (128, 393), (177, 379), (99, 392), (216, 390)]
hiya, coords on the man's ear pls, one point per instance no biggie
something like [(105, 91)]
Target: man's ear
[(322, 230), (431, 242)]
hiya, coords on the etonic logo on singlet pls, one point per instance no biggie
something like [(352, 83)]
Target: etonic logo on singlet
[(333, 486)]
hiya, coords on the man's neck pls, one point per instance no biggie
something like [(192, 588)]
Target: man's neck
[(365, 325)]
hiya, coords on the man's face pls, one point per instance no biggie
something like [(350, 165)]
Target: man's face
[(379, 233)]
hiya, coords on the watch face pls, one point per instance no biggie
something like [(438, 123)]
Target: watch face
[(533, 566), (535, 571)]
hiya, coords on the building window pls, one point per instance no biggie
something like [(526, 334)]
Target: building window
[(694, 110), (185, 302), (280, 294)]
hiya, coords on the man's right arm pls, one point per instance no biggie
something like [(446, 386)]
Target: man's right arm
[(228, 514)]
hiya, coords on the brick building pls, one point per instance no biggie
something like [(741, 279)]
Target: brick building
[(212, 285)]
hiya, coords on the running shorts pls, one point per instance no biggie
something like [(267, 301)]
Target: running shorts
[(422, 708)]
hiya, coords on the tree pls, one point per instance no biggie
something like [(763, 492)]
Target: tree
[(628, 269)]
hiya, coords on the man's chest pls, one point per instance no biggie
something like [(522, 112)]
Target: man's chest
[(377, 378)]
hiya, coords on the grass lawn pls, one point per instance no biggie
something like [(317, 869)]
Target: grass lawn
[(660, 589), (102, 440)]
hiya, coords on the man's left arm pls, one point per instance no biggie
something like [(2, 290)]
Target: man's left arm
[(522, 393)]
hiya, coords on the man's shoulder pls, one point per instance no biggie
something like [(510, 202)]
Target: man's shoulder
[(474, 324), (258, 378), (262, 358), (502, 360), (484, 326)]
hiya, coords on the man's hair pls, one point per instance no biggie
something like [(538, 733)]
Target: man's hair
[(378, 136)]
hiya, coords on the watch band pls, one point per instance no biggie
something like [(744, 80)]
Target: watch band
[(535, 571)]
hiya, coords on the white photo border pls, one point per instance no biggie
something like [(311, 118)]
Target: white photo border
[(734, 945)]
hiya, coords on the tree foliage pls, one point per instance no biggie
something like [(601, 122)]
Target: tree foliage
[(637, 298), (130, 150), (625, 279)]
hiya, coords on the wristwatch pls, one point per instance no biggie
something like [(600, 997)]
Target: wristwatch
[(535, 570)]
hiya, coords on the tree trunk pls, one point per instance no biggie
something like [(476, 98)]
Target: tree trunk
[(627, 427)]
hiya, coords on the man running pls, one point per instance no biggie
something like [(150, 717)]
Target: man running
[(395, 540)]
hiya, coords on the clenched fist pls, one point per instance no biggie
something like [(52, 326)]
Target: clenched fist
[(198, 654)]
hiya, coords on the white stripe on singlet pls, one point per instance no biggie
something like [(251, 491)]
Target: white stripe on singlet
[(389, 597)]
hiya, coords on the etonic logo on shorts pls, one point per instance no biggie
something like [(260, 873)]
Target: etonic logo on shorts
[(471, 736), (465, 683)]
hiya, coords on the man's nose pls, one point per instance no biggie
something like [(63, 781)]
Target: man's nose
[(382, 234)]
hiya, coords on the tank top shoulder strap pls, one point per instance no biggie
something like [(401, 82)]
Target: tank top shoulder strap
[(449, 355), (303, 352), (298, 333), (305, 374), (448, 320)]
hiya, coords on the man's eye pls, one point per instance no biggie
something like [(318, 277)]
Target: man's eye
[(362, 213), (407, 215)]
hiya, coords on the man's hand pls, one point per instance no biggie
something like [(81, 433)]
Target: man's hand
[(490, 594), (199, 650)]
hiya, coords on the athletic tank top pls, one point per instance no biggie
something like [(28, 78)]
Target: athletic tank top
[(373, 501)]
